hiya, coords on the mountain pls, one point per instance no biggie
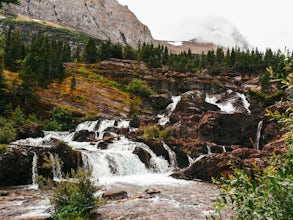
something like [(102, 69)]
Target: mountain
[(103, 19)]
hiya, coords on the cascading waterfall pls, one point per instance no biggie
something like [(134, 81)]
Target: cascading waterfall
[(224, 149), (172, 155), (227, 105), (117, 160), (246, 104), (258, 134), (56, 167), (209, 149), (35, 170), (164, 119)]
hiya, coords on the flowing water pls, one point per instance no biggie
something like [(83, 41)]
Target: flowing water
[(164, 118), (118, 168), (227, 105), (258, 134)]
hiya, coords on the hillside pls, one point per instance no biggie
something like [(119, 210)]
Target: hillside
[(92, 96), (100, 19)]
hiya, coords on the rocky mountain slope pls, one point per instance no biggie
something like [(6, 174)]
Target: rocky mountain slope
[(101, 19)]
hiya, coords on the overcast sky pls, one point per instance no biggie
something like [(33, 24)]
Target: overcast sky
[(263, 23)]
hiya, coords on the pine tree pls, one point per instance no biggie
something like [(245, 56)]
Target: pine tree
[(90, 52), (2, 53), (16, 2)]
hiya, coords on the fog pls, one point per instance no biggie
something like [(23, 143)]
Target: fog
[(261, 23)]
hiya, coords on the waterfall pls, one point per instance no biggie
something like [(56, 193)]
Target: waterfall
[(209, 149), (103, 126), (56, 167), (172, 155), (164, 118), (35, 170), (117, 160), (258, 133), (246, 104), (87, 125), (224, 107), (224, 149), (227, 105)]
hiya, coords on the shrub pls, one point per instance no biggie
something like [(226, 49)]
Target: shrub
[(7, 131), (3, 148), (265, 194), (154, 133), (151, 132), (74, 198), (139, 87), (61, 120)]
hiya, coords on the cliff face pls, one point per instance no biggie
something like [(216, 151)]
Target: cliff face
[(104, 19)]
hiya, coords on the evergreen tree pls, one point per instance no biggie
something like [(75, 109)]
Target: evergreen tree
[(16, 2), (129, 53), (90, 52), (2, 53)]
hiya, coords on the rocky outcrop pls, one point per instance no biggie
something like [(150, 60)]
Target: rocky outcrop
[(16, 164), (228, 129), (101, 19), (84, 135), (144, 156), (16, 167), (31, 130), (115, 195)]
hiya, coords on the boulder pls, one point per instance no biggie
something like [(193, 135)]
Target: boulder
[(70, 158), (115, 195), (16, 167), (31, 130), (143, 155), (228, 129), (209, 166), (84, 136)]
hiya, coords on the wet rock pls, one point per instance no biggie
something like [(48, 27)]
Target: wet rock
[(228, 129), (31, 130), (210, 166), (159, 102), (143, 155), (181, 158), (152, 191), (16, 167), (84, 136), (70, 158), (103, 145), (158, 149), (115, 195)]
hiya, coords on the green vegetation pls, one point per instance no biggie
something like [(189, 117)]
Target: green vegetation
[(61, 120), (155, 133), (3, 148), (74, 197), (267, 193), (139, 87)]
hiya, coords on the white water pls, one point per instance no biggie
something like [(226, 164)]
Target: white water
[(258, 134), (246, 104), (164, 119), (117, 162), (227, 105), (209, 149), (172, 155), (56, 167), (224, 107), (35, 170), (224, 149)]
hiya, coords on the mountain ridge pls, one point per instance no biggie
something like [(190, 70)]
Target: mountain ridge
[(101, 19)]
